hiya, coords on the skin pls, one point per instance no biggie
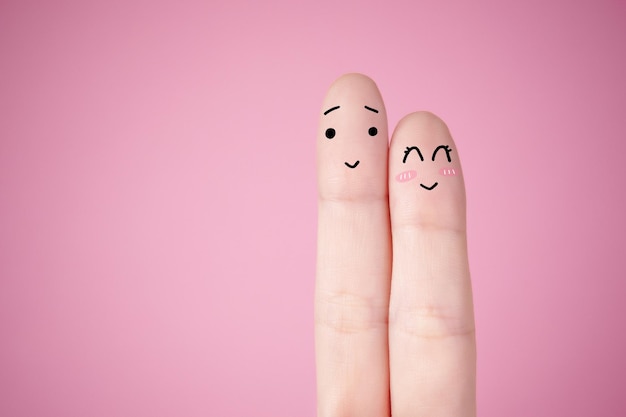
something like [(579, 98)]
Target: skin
[(354, 254), (394, 322)]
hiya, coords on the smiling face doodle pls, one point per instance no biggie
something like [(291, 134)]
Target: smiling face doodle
[(446, 170), (352, 140), (425, 177)]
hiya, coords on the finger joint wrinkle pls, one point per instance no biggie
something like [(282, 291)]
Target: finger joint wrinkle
[(348, 313)]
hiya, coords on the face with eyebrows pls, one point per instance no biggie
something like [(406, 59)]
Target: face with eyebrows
[(440, 161), (352, 140), (331, 133)]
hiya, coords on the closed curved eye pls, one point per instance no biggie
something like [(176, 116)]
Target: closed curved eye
[(445, 148), (408, 151)]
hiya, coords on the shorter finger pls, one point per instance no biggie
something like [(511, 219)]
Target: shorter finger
[(431, 322)]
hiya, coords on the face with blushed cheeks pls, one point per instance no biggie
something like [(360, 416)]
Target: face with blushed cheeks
[(440, 153), (425, 174)]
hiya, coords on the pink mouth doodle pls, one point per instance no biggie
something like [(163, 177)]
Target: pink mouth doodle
[(406, 176), (447, 171)]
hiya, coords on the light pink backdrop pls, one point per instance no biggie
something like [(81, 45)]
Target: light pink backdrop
[(158, 200)]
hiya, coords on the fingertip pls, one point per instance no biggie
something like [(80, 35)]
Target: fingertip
[(353, 81), (352, 140), (425, 177), (423, 125)]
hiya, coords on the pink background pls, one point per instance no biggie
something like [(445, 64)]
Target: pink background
[(158, 196)]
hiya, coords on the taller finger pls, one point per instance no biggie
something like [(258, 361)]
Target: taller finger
[(353, 252)]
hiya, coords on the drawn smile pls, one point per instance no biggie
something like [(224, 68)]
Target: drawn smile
[(429, 188), (352, 166)]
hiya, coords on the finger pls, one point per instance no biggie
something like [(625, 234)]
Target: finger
[(431, 322), (353, 252)]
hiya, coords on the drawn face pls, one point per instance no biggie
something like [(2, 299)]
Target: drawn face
[(332, 134), (425, 175), (441, 155), (352, 140)]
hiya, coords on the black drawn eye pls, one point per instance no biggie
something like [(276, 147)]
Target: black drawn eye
[(372, 131), (445, 148), (330, 133), (408, 151)]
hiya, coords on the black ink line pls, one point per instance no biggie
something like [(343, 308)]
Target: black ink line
[(445, 148), (408, 151), (429, 188), (352, 166), (371, 109), (331, 109)]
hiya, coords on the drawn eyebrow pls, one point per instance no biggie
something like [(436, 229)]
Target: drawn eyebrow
[(331, 109), (408, 151), (445, 148), (371, 109)]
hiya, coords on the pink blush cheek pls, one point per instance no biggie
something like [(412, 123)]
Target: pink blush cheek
[(406, 176), (447, 172)]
